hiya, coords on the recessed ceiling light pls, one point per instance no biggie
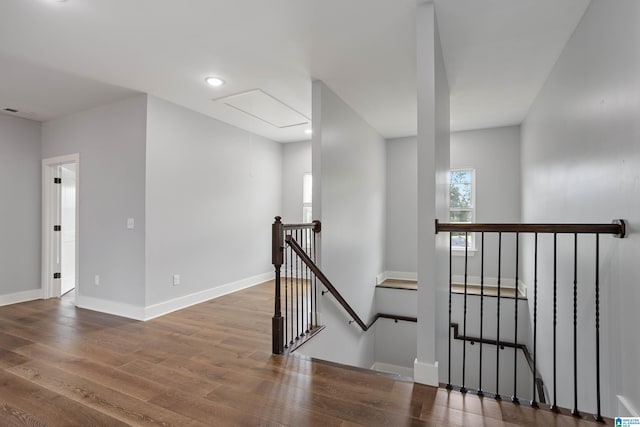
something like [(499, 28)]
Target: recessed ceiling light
[(308, 131), (214, 81)]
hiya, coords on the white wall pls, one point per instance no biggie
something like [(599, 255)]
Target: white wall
[(352, 199), (20, 209), (495, 155), (433, 196), (396, 341), (402, 205), (111, 142), (212, 193), (395, 344), (581, 163), (491, 352), (296, 161), (349, 199)]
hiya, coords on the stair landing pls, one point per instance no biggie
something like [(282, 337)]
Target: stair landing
[(456, 288)]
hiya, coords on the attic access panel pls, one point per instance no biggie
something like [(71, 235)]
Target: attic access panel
[(264, 107)]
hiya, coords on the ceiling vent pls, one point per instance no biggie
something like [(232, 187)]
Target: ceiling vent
[(11, 110), (262, 106)]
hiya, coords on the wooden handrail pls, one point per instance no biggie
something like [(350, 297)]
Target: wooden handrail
[(327, 284), (316, 226), (617, 228), (525, 351)]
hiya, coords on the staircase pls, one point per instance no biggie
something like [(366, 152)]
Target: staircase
[(492, 325)]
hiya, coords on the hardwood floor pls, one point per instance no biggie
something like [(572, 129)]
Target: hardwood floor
[(208, 365)]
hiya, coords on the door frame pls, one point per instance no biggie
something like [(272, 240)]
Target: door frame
[(51, 288)]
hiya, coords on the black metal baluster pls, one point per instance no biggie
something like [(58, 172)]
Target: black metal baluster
[(514, 398), (311, 289), (297, 290), (307, 283), (286, 300), (315, 279), (534, 402), (293, 288), (303, 287), (599, 414), (554, 407), (480, 392), (463, 389), (449, 386), (303, 274), (310, 283), (497, 396), (575, 412), (305, 295)]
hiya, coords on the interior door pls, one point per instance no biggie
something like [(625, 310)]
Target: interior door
[(57, 231), (68, 222)]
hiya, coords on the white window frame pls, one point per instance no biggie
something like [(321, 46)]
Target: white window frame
[(460, 250)]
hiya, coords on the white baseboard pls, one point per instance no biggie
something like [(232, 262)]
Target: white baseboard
[(426, 373), (166, 307), (176, 304), (392, 369), (110, 307), (626, 408), (19, 297), (396, 275), (491, 282)]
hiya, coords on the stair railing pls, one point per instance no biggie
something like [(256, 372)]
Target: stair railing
[(297, 276), (295, 318), (616, 228), (539, 383)]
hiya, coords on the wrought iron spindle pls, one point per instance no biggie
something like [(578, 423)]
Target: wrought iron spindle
[(306, 283), (554, 406), (315, 279), (514, 398), (534, 403), (463, 389), (286, 300), (449, 386), (575, 412), (303, 274), (310, 285), (497, 396), (480, 392), (599, 414), (300, 291), (293, 314)]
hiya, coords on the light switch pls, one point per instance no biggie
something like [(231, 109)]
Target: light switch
[(130, 223)]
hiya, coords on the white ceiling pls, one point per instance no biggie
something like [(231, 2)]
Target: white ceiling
[(61, 57), (498, 53)]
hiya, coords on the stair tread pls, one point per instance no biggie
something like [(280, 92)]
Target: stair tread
[(489, 291), (410, 285)]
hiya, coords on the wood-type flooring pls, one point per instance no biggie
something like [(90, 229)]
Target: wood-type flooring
[(207, 365)]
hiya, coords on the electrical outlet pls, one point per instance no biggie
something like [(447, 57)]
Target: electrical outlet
[(176, 279), (96, 280)]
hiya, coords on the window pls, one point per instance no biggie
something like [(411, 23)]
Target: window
[(307, 192), (462, 205)]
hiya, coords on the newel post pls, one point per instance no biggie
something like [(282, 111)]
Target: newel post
[(277, 323)]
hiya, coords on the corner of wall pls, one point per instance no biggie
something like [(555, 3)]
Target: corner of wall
[(426, 373)]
